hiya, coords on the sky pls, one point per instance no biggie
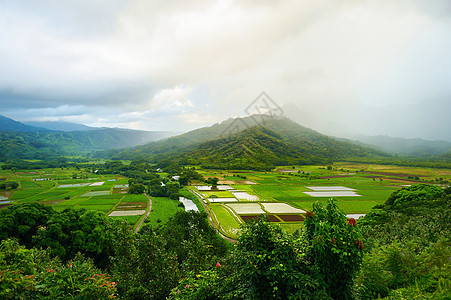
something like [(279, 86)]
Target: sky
[(371, 66)]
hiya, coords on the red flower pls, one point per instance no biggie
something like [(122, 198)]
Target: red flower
[(333, 240), (187, 286), (352, 222), (359, 244), (309, 214), (218, 265)]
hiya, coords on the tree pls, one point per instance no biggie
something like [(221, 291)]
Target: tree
[(212, 181), (136, 188), (194, 241), (142, 265), (267, 264), (22, 221), (335, 248)]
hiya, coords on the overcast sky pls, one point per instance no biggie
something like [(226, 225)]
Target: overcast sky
[(179, 65)]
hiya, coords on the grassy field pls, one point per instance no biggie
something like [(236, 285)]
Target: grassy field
[(163, 208), (228, 224)]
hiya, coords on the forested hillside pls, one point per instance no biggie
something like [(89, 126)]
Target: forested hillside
[(278, 141), (20, 141)]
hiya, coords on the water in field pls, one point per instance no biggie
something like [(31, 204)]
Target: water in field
[(331, 191), (333, 194), (211, 188), (329, 188), (189, 204), (73, 185), (3, 198), (121, 186), (95, 193), (216, 200), (245, 196), (5, 202)]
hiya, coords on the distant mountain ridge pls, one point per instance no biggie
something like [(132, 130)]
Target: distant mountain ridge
[(7, 124), (62, 126), (20, 141), (394, 145)]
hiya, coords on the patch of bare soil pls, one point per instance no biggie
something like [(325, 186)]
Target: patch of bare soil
[(291, 218), (270, 217)]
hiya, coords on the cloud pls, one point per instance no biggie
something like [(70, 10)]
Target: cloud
[(160, 60), (171, 99)]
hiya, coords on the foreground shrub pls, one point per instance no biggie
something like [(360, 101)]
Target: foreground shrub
[(32, 274), (335, 248)]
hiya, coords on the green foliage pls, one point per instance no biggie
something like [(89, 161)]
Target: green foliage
[(212, 181), (202, 286), (32, 274), (136, 188), (266, 264), (408, 254), (335, 248), (397, 265), (142, 265), (76, 230), (194, 241), (23, 220), (64, 233), (9, 185), (414, 195)]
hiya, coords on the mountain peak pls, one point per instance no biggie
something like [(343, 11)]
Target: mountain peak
[(8, 124)]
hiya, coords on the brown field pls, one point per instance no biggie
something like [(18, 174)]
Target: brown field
[(392, 174), (131, 206), (226, 182), (442, 172), (245, 182), (334, 176), (402, 180), (291, 218), (5, 205), (270, 217)]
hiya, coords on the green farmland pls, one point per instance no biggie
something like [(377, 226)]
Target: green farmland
[(370, 184)]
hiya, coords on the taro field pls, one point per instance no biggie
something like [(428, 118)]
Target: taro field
[(284, 194), (70, 188)]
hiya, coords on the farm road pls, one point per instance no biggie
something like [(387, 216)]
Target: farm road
[(147, 214)]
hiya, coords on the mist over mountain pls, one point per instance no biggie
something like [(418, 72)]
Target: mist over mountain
[(390, 141), (426, 120)]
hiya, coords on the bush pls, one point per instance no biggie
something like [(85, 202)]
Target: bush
[(335, 248)]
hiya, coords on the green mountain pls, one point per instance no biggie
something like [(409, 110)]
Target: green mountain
[(61, 126), (20, 141), (276, 141), (7, 124)]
